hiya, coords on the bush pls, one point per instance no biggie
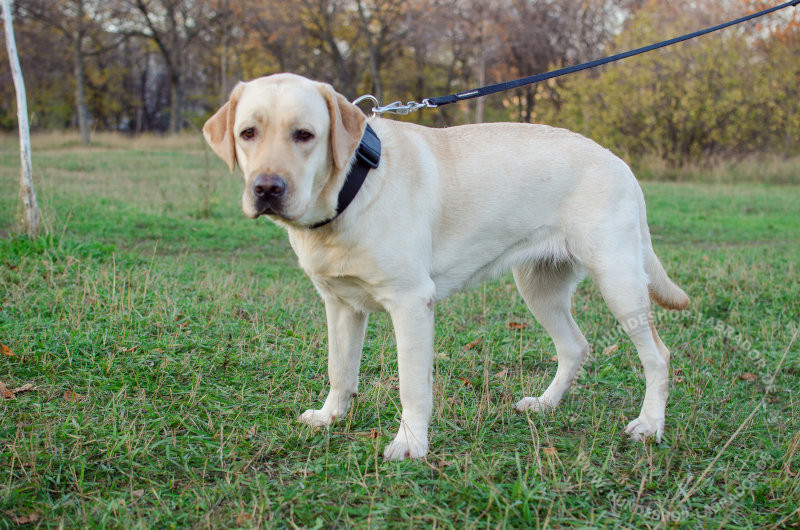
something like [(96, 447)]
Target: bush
[(720, 94)]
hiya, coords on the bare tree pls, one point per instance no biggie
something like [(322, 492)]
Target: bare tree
[(272, 29), (384, 24), (223, 32), (543, 34), (80, 78), (172, 25), (442, 42), (77, 21), (32, 216), (328, 29)]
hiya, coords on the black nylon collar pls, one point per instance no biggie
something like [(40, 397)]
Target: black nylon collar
[(368, 156)]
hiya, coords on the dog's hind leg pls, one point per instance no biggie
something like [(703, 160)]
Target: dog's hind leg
[(622, 281), (547, 290)]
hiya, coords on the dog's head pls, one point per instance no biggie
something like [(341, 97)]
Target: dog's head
[(293, 139)]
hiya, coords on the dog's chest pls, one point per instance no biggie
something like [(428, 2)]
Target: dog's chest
[(353, 291), (346, 273)]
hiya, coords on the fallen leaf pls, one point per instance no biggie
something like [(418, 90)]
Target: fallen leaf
[(373, 434), (610, 349), (517, 325), (748, 376), (5, 392), (72, 397), (23, 388), (472, 344), (501, 374), (444, 463), (25, 519), (10, 394), (466, 381), (137, 494), (5, 350), (550, 451), (243, 518), (554, 358)]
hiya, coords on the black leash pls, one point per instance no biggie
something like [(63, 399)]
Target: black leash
[(398, 108)]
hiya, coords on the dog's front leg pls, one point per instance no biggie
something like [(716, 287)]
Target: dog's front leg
[(346, 328), (413, 324)]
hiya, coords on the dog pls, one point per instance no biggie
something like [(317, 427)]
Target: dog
[(442, 210)]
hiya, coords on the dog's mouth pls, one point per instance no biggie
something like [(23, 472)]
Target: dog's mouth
[(276, 210), (265, 211), (270, 212), (255, 213)]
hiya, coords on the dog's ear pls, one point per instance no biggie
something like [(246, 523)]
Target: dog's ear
[(218, 130), (347, 126)]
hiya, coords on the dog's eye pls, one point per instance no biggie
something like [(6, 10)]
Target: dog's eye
[(248, 134), (302, 135)]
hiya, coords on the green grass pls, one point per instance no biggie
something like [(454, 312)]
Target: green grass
[(194, 341)]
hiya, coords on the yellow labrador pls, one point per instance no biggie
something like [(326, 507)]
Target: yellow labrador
[(443, 210)]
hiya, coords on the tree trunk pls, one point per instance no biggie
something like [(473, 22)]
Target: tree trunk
[(80, 78), (223, 54), (175, 67), (32, 216), (527, 98), (479, 103), (143, 114), (175, 103), (177, 93), (80, 97), (223, 68), (377, 86)]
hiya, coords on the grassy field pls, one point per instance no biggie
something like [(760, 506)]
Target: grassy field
[(170, 343)]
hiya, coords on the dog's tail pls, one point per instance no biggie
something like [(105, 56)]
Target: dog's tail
[(661, 288)]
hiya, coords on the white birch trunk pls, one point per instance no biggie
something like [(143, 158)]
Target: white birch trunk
[(32, 216)]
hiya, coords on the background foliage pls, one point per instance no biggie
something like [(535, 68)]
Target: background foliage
[(726, 95), (157, 65)]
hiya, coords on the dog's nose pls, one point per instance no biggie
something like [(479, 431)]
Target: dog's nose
[(269, 187)]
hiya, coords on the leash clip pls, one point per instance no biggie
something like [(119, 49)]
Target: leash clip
[(397, 107)]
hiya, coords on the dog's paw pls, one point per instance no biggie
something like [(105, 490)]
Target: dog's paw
[(316, 418), (406, 446), (533, 404), (642, 427)]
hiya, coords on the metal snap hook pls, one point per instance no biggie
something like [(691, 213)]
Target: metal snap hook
[(368, 97), (398, 107)]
